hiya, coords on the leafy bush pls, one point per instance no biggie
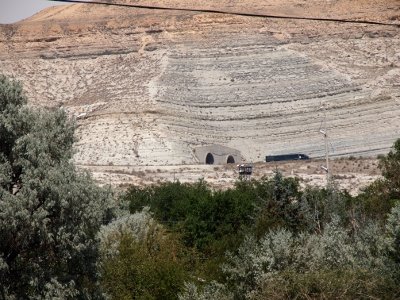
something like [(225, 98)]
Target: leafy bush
[(380, 196), (142, 261), (390, 166), (328, 284), (49, 213), (279, 204), (311, 244), (374, 203), (209, 221), (285, 266), (393, 228), (212, 291), (255, 262), (136, 226), (316, 199), (169, 201)]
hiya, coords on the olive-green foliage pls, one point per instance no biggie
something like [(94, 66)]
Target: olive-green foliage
[(280, 204), (207, 220), (381, 195), (375, 203), (339, 264), (135, 225), (390, 166), (393, 228), (337, 202), (316, 199), (338, 261), (324, 203), (49, 213), (212, 291), (300, 244), (170, 201), (149, 262), (328, 284), (214, 221)]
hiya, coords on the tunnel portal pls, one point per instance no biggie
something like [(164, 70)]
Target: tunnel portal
[(209, 159)]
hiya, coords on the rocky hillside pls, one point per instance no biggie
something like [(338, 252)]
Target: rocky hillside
[(154, 84)]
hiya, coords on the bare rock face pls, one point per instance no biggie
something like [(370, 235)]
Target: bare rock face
[(154, 85)]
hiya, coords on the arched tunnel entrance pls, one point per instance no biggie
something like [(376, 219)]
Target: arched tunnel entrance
[(209, 159), (216, 155), (230, 159)]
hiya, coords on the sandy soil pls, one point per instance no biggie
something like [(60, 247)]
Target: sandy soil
[(352, 174)]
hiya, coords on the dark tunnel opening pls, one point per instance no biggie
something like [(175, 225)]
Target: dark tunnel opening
[(209, 159)]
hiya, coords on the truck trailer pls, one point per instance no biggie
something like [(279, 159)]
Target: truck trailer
[(296, 156)]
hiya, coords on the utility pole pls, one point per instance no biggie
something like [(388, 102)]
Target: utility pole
[(324, 132), (326, 147)]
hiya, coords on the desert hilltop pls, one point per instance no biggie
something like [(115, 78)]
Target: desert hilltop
[(151, 90)]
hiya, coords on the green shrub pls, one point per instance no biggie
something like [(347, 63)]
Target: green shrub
[(393, 228), (380, 196), (287, 263), (142, 261), (279, 204), (208, 220), (49, 213), (328, 284), (212, 291)]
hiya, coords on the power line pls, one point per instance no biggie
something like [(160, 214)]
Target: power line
[(188, 221), (231, 13)]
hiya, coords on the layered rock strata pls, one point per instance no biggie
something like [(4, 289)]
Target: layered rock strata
[(155, 86)]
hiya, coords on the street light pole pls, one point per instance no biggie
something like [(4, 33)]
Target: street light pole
[(326, 148), (324, 132)]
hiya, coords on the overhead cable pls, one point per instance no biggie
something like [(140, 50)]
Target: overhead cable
[(213, 11)]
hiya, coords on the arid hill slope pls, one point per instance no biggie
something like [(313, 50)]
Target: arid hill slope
[(155, 85)]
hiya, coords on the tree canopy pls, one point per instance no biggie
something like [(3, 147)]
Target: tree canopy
[(49, 213)]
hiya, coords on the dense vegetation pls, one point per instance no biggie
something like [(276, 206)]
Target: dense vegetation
[(268, 238), (61, 236), (49, 213)]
